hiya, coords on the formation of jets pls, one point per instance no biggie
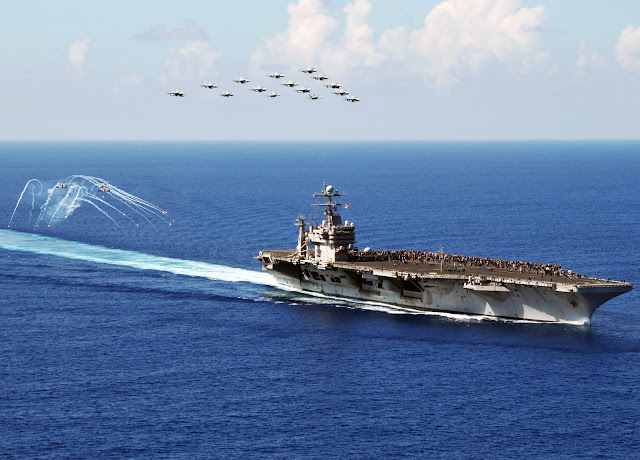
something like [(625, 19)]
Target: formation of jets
[(289, 84)]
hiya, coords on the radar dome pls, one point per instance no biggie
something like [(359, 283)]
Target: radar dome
[(329, 189)]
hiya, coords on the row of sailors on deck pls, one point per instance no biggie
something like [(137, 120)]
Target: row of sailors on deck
[(405, 256)]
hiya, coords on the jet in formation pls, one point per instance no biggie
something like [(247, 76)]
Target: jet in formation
[(353, 99), (176, 93), (276, 75), (242, 80), (104, 189), (313, 97), (333, 85), (273, 94), (320, 77), (259, 89), (62, 186), (341, 92), (302, 89), (226, 94), (290, 84), (209, 85), (309, 70)]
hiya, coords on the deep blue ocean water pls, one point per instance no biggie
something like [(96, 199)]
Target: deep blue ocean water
[(184, 350)]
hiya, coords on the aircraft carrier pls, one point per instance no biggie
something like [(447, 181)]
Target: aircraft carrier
[(327, 262)]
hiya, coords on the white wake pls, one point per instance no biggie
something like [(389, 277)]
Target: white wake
[(38, 244)]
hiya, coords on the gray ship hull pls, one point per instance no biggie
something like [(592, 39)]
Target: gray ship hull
[(531, 301)]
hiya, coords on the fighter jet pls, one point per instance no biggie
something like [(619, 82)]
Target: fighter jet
[(104, 189), (320, 77), (313, 97), (302, 89), (290, 84), (242, 80), (259, 89), (341, 92), (333, 85), (309, 70), (209, 85), (61, 186), (273, 94), (226, 94), (352, 99), (176, 93), (276, 75)]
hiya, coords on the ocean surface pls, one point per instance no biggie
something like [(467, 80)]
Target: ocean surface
[(124, 336)]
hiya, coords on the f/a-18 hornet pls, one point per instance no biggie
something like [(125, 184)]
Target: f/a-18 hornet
[(176, 93), (352, 99), (309, 70), (226, 94), (274, 94), (259, 89), (302, 89), (290, 84), (209, 85), (341, 92), (313, 97), (276, 75), (242, 80), (333, 86), (320, 77)]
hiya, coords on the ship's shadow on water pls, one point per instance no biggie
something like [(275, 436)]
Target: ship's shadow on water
[(394, 324)]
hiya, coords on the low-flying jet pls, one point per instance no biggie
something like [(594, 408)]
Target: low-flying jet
[(209, 85), (226, 94), (104, 189), (290, 84), (352, 99), (341, 92), (62, 186), (333, 85), (273, 94), (302, 89), (259, 89), (320, 77), (176, 93), (309, 70), (313, 97), (276, 75), (242, 80)]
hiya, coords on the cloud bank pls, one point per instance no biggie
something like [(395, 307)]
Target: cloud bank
[(628, 49), (77, 54)]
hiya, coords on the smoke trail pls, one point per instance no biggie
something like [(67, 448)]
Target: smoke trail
[(22, 194)]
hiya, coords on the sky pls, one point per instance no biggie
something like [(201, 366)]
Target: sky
[(429, 69)]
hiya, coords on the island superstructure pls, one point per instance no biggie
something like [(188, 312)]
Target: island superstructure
[(326, 261)]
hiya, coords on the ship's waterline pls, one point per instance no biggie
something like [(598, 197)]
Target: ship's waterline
[(326, 262)]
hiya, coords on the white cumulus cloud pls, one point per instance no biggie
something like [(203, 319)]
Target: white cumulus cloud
[(77, 54), (628, 49), (458, 36), (470, 34), (194, 60)]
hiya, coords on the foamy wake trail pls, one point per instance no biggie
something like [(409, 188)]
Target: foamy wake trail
[(37, 244)]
